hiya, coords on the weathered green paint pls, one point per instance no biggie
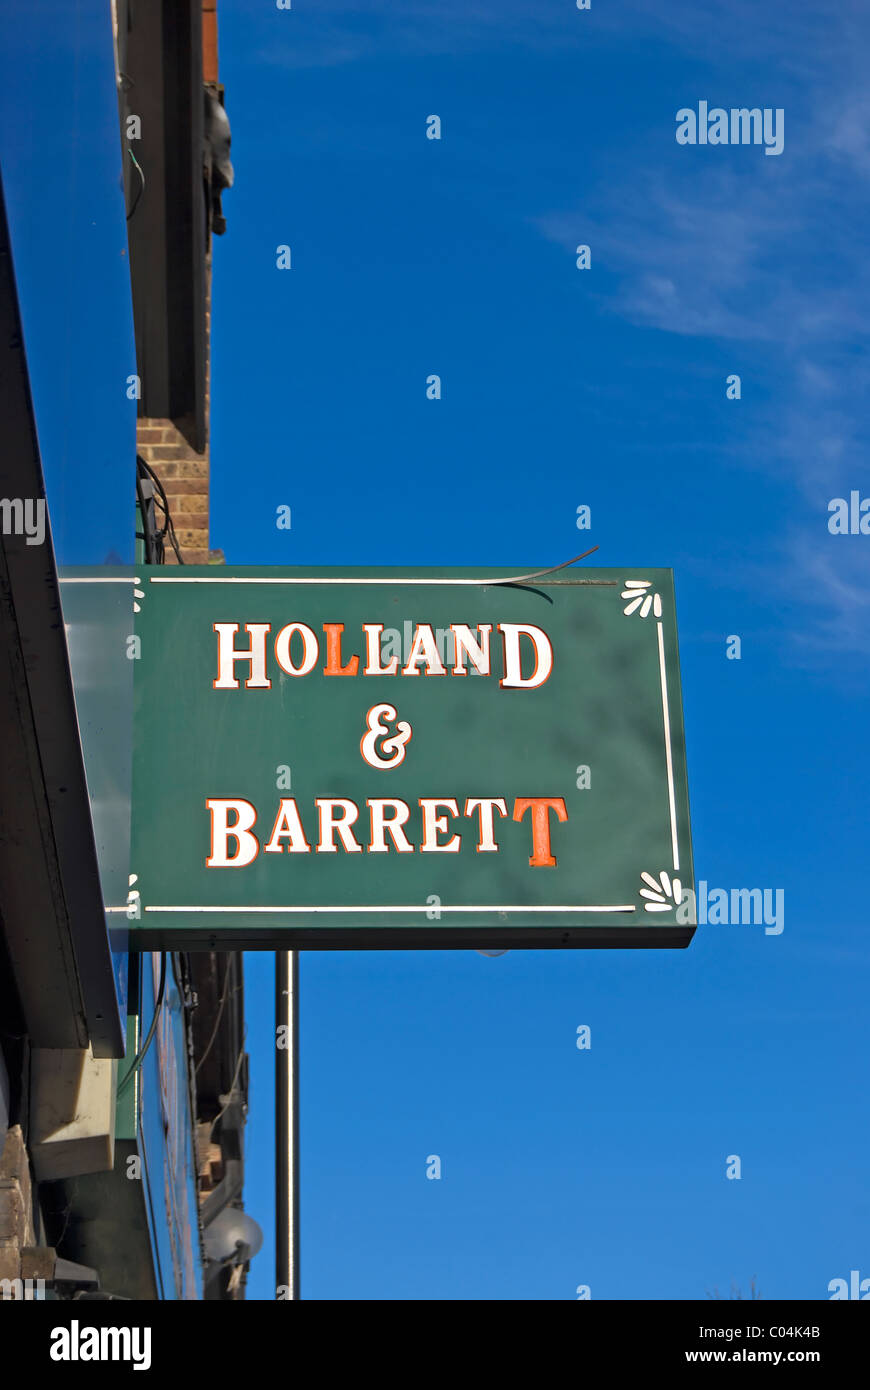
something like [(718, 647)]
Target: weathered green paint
[(603, 707)]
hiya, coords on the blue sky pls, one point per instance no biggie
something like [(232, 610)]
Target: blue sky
[(560, 387)]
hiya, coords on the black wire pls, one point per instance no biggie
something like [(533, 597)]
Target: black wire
[(230, 975), (140, 1056), (168, 528), (141, 174), (144, 472), (146, 535)]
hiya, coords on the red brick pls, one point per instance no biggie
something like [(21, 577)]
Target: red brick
[(182, 468), (190, 554), (179, 450), (160, 453), (186, 487)]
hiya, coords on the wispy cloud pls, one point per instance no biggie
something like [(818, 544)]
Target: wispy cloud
[(769, 254)]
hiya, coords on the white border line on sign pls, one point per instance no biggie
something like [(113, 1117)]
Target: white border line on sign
[(247, 579), (412, 907), (670, 761)]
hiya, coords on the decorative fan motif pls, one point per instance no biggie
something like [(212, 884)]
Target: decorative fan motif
[(662, 893), (637, 591)]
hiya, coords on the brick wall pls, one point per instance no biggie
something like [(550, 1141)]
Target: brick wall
[(165, 445), (16, 1204), (184, 475)]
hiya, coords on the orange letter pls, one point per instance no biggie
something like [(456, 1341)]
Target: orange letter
[(333, 665), (541, 805)]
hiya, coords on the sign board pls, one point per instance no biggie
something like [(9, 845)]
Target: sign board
[(362, 758)]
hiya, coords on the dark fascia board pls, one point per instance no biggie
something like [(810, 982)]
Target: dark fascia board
[(51, 904), (104, 1224), (167, 226)]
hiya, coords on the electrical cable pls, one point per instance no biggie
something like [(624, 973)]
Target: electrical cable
[(140, 1056), (539, 574), (230, 1095), (147, 538), (223, 999), (167, 528), (141, 174)]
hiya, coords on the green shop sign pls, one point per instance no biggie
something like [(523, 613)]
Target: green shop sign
[(370, 758)]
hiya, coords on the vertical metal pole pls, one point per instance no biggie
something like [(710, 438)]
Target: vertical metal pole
[(287, 1124)]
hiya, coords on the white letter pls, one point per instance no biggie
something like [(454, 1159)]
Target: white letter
[(424, 648), (309, 649), (373, 652), (326, 809), (377, 807), (287, 823), (486, 808), (513, 669), (228, 656), (220, 832), (466, 645), (432, 824)]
